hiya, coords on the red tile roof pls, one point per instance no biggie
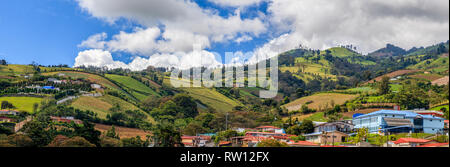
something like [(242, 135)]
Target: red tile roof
[(445, 121), (188, 137), (224, 143), (303, 143), (331, 146), (262, 127), (411, 140), (435, 145)]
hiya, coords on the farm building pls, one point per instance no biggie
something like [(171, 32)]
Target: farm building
[(66, 120), (399, 122)]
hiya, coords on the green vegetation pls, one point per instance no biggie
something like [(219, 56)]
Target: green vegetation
[(23, 103)]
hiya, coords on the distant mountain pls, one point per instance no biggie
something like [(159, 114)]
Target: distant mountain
[(389, 51)]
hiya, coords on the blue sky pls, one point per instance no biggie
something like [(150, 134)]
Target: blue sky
[(137, 33), (48, 31)]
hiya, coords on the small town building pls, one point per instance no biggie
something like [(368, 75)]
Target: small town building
[(303, 144), (189, 141), (411, 142), (327, 137), (96, 86), (263, 134), (399, 122), (8, 112), (66, 120), (271, 129), (341, 126), (435, 145), (6, 119)]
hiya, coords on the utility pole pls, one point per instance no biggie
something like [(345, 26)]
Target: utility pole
[(226, 122)]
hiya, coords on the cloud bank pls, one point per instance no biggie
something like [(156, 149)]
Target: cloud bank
[(169, 28)]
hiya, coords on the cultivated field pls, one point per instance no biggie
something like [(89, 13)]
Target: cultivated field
[(428, 77), (134, 87), (212, 98), (90, 77), (393, 74), (123, 132), (101, 105), (23, 103), (320, 101), (441, 81)]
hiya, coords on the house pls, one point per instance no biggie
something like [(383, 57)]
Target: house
[(411, 142), (263, 134), (6, 119), (325, 137), (96, 86), (341, 126), (54, 80), (189, 141), (303, 144), (66, 120), (399, 122), (8, 112), (252, 141), (272, 129)]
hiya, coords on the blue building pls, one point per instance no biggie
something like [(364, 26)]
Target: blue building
[(399, 122)]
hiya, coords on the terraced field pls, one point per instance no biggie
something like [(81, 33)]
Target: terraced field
[(22, 103), (132, 86)]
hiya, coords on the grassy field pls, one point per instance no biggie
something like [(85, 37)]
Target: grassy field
[(321, 100), (440, 107), (362, 90), (23, 103), (433, 65), (212, 98), (13, 69), (101, 105), (123, 132), (134, 87)]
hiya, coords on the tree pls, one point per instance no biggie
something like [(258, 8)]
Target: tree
[(186, 104), (307, 126), (20, 140), (38, 132), (362, 134), (76, 141), (3, 62), (7, 105), (88, 132), (272, 143), (383, 87), (112, 133), (165, 135)]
